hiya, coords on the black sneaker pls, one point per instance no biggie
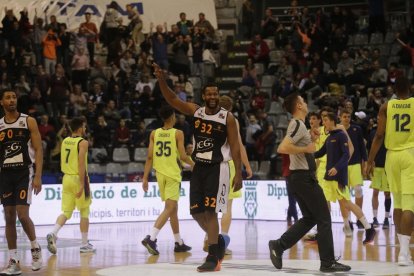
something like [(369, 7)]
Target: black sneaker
[(335, 267), (369, 235), (150, 245), (276, 253), (211, 263), (375, 223), (386, 224), (181, 247), (360, 226)]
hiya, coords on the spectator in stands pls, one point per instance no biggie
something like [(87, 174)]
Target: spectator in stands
[(77, 100), (258, 50), (345, 65), (97, 96), (184, 25), (42, 81), (80, 68), (38, 34), (8, 22), (139, 138), (248, 17), (205, 26), (268, 24), (117, 76), (186, 84), (281, 36), (50, 42), (5, 81), (144, 64), (159, 45), (91, 114), (142, 83), (375, 100), (379, 75), (249, 77), (47, 134), (101, 134), (122, 134), (252, 128), (63, 50), (265, 142), (93, 36), (135, 25), (111, 114), (179, 90), (393, 73), (407, 47), (337, 19), (376, 55), (181, 62), (53, 25), (185, 127), (284, 70), (111, 22), (59, 91), (338, 40), (126, 62)]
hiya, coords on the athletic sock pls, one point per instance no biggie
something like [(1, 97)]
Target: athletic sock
[(13, 254), (364, 222), (84, 238), (34, 244), (375, 213), (404, 244), (178, 238), (56, 229), (387, 205), (154, 233)]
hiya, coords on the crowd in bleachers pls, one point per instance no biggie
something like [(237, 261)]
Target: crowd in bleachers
[(104, 72), (328, 58)]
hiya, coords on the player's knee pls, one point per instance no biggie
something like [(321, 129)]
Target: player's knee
[(67, 214), (84, 213), (358, 191)]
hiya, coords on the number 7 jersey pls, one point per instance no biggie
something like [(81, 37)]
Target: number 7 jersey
[(210, 137), (399, 132), (69, 156)]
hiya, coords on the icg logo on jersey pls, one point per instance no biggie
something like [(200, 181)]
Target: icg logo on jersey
[(250, 199), (205, 144)]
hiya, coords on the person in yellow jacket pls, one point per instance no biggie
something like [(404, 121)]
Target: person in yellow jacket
[(76, 190), (165, 150)]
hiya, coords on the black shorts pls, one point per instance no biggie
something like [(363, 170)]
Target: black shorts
[(16, 187), (209, 188)]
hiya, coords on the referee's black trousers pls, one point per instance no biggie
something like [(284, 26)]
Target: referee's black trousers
[(314, 208)]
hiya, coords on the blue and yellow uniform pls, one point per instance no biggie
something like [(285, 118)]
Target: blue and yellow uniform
[(320, 171), (337, 155), (69, 164), (379, 178), (399, 141), (166, 163), (360, 153)]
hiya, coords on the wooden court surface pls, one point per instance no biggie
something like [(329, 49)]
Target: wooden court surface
[(119, 244)]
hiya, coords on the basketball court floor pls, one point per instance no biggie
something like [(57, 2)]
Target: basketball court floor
[(120, 253)]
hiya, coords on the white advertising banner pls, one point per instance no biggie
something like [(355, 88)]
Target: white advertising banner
[(72, 12), (126, 202)]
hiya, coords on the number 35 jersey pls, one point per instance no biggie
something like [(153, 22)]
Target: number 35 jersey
[(15, 144), (399, 132), (210, 137), (165, 153)]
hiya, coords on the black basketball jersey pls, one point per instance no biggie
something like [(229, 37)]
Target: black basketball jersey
[(210, 137), (16, 149)]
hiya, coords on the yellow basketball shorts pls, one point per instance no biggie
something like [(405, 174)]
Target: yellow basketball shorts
[(355, 175), (233, 194), (333, 192), (379, 180), (71, 186), (169, 187), (399, 167), (320, 172)]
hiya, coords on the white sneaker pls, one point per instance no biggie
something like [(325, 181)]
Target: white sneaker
[(347, 230), (51, 243), (37, 259), (13, 268), (404, 260), (87, 248), (228, 252)]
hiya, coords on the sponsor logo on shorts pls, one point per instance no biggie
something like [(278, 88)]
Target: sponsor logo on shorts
[(7, 195)]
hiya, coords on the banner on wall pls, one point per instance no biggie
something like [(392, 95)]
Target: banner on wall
[(72, 12), (126, 202)]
